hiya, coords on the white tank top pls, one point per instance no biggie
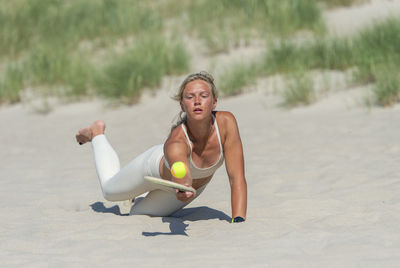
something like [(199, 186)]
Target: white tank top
[(198, 173)]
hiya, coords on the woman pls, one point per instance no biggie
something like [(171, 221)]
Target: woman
[(202, 139)]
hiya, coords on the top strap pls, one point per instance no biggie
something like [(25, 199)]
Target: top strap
[(187, 137), (219, 137)]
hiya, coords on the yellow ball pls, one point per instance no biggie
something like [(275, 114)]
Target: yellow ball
[(178, 169)]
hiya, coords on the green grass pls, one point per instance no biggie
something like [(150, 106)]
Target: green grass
[(68, 47), (49, 38), (28, 22), (233, 80), (11, 84), (299, 89), (336, 3), (372, 55), (118, 48), (222, 24), (322, 54), (387, 87), (54, 66), (143, 66), (375, 49)]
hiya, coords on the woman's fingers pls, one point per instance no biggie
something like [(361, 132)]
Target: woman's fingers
[(184, 196)]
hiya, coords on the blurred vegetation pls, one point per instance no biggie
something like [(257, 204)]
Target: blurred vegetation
[(66, 23), (371, 55), (299, 89), (224, 23), (69, 46), (116, 49), (237, 77), (143, 66), (336, 3)]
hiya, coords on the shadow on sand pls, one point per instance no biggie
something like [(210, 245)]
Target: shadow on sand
[(99, 207), (176, 221)]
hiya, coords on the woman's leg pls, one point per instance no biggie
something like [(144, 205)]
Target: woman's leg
[(129, 181), (117, 184), (159, 203), (126, 183)]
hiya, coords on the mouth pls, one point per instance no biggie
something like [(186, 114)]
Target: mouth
[(197, 110)]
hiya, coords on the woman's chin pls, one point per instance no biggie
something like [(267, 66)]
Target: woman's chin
[(199, 116)]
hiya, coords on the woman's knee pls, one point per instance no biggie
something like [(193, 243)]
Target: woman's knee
[(114, 196)]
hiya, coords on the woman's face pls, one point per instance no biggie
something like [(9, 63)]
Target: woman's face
[(197, 100)]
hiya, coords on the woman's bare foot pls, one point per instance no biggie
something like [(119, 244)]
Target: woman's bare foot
[(87, 134)]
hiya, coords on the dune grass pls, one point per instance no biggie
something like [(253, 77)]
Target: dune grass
[(299, 89), (322, 54), (11, 84), (233, 80), (338, 3), (143, 66), (60, 44), (26, 22), (373, 55), (222, 24), (387, 87), (53, 66), (46, 38)]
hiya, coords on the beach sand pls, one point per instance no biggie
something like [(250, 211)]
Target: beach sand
[(323, 187)]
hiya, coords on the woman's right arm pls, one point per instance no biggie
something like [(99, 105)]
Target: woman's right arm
[(174, 151)]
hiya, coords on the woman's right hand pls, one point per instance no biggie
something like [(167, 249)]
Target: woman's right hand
[(185, 196)]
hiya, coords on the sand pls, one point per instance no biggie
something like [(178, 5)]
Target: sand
[(349, 20), (323, 183)]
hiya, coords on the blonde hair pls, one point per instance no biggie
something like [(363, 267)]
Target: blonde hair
[(203, 75)]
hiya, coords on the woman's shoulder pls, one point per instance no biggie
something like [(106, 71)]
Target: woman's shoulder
[(225, 118), (176, 136), (226, 123)]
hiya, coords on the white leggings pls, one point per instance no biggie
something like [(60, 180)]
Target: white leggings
[(126, 183)]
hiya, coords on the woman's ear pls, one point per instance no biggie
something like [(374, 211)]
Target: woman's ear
[(182, 107), (215, 103)]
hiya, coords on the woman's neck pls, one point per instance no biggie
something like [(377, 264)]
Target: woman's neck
[(200, 131)]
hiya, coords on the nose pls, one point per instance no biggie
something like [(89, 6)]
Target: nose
[(197, 100)]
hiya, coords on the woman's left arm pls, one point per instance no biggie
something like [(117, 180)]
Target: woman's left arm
[(234, 163)]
